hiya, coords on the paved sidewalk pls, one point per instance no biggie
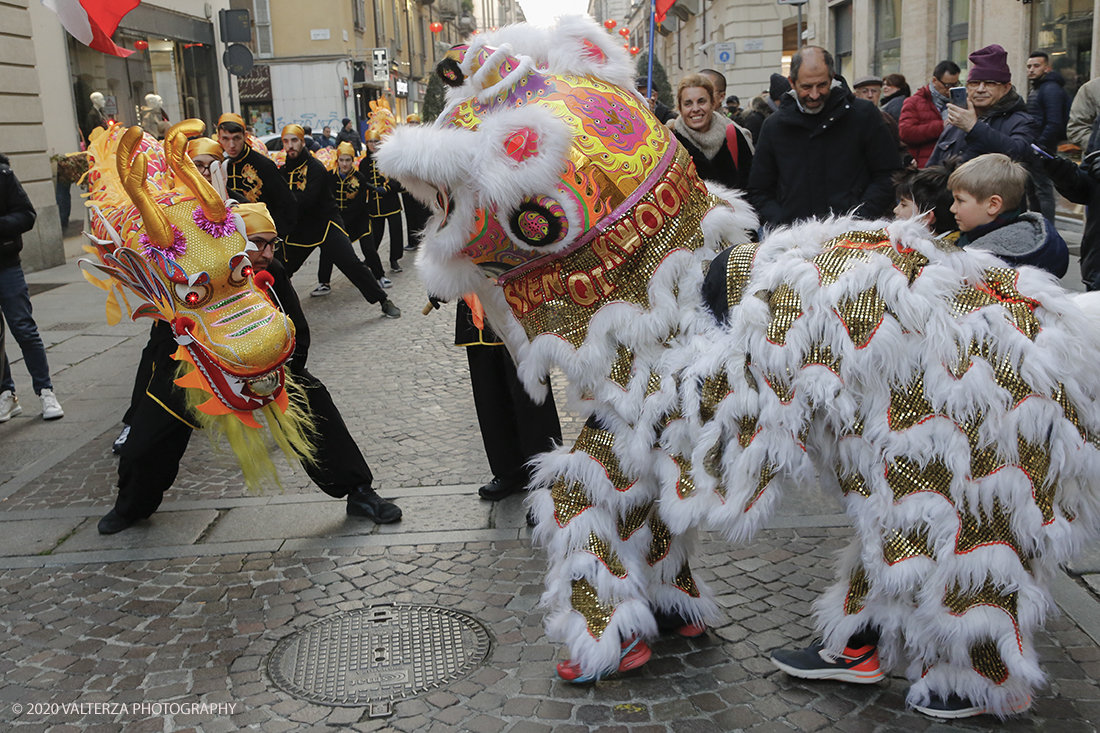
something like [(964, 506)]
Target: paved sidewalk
[(186, 606)]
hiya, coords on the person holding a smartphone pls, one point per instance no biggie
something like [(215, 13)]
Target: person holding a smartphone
[(991, 118)]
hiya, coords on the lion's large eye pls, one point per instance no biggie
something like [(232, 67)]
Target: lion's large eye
[(193, 296), (240, 269), (539, 221)]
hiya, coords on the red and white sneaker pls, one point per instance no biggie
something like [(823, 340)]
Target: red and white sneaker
[(815, 663), (634, 654)]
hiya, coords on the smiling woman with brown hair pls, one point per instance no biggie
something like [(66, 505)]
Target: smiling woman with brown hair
[(719, 150)]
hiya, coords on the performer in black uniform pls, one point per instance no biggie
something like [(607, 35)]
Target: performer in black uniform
[(252, 177), (513, 427), (351, 191), (162, 428), (319, 223), (385, 205)]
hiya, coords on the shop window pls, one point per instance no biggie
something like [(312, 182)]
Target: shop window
[(842, 34), (887, 37), (958, 33), (172, 81), (1063, 28)]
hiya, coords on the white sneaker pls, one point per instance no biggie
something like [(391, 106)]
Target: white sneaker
[(9, 405), (51, 408), (321, 289), (385, 282)]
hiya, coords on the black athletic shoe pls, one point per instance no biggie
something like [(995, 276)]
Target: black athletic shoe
[(365, 502), (396, 267), (112, 522), (814, 663), (389, 310), (955, 707)]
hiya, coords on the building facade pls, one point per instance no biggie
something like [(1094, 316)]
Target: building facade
[(23, 131), (48, 80), (319, 64)]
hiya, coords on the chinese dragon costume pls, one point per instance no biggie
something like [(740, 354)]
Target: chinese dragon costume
[(164, 234), (946, 398)]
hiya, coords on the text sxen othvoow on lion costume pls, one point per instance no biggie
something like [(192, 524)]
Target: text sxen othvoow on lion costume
[(934, 388), (163, 233)]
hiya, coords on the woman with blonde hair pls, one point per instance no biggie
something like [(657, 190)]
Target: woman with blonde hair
[(720, 151)]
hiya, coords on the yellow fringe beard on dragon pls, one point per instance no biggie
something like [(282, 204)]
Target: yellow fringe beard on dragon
[(947, 400), (162, 233)]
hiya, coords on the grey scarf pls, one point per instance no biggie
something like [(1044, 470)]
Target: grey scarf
[(710, 142)]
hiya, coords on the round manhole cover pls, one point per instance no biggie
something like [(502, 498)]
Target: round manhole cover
[(378, 654)]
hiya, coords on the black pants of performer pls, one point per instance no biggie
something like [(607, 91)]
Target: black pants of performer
[(338, 248), (141, 379), (416, 216), (397, 234), (370, 259), (151, 456), (513, 427)]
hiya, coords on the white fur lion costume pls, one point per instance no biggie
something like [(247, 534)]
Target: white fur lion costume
[(948, 397)]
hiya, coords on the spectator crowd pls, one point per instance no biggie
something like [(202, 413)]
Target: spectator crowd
[(814, 145)]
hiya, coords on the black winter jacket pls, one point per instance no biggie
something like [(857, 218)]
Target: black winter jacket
[(1007, 128), (839, 160), (1076, 184), (17, 216), (1048, 105)]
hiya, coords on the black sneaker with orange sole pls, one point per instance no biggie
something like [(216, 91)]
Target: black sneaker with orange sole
[(860, 665)]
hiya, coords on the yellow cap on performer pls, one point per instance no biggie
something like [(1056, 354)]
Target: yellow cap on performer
[(296, 131), (413, 119), (231, 117), (345, 148), (257, 220), (205, 146), (369, 135)]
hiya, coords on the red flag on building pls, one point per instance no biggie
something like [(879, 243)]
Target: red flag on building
[(662, 9), (93, 22)]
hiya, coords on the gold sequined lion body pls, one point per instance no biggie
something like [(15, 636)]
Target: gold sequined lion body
[(931, 388)]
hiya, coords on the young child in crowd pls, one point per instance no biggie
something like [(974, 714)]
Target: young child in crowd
[(924, 194), (989, 193)]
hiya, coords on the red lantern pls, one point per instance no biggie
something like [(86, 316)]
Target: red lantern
[(626, 46), (609, 24), (624, 32), (634, 50), (141, 45), (436, 27)]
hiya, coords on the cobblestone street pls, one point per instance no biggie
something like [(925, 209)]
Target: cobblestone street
[(187, 606)]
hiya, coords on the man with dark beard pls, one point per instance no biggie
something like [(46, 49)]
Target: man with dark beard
[(319, 223), (251, 177)]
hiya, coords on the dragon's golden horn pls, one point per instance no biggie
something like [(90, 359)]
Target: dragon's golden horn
[(175, 149), (157, 226)]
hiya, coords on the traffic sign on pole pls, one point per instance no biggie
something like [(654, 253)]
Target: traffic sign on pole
[(380, 61), (725, 53)]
